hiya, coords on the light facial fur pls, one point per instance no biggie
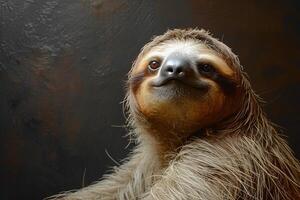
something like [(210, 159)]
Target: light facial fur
[(200, 134)]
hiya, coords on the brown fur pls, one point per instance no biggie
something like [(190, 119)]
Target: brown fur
[(237, 155)]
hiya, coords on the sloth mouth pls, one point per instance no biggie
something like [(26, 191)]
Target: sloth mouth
[(197, 84)]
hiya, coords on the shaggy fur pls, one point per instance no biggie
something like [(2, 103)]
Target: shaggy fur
[(241, 157)]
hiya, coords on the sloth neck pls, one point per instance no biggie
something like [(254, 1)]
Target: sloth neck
[(250, 120), (160, 143)]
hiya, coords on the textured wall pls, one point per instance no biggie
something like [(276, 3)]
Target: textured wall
[(63, 65)]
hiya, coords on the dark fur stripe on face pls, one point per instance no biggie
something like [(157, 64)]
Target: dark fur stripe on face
[(136, 79), (228, 86)]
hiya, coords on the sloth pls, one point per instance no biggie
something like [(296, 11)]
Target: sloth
[(199, 129)]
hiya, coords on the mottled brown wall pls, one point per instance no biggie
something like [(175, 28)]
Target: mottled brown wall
[(63, 66)]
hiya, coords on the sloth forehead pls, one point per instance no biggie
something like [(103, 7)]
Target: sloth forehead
[(188, 47), (196, 51)]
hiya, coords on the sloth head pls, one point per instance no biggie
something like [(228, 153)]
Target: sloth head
[(184, 81)]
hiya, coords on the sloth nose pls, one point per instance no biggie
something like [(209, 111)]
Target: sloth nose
[(176, 67)]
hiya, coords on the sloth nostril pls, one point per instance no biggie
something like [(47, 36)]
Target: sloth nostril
[(170, 69), (179, 70), (181, 74), (175, 70)]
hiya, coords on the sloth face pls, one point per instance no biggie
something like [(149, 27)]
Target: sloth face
[(183, 84)]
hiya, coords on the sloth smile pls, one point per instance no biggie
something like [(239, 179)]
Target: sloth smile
[(174, 89), (179, 82)]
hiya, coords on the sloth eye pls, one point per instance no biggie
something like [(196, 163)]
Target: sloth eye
[(205, 68), (153, 65)]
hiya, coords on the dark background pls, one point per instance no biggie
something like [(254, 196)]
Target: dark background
[(63, 65)]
